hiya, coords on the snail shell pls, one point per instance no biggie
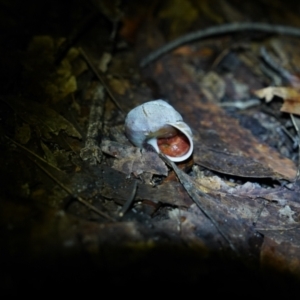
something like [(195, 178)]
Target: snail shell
[(157, 123)]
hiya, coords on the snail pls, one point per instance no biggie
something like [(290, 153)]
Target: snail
[(158, 124)]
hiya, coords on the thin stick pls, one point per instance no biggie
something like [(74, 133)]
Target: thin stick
[(285, 74), (78, 198), (219, 30), (32, 153), (101, 80), (81, 200), (276, 228), (129, 200)]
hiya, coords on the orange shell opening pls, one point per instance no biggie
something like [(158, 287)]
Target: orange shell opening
[(175, 146)]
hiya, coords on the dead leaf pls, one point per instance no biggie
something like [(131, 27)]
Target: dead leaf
[(133, 160), (231, 163), (214, 129), (207, 184), (291, 106), (291, 97), (283, 92), (169, 193), (113, 184)]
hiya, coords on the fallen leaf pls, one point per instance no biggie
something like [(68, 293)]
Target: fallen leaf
[(291, 106), (223, 137), (133, 160), (283, 92), (231, 163), (291, 97), (113, 184)]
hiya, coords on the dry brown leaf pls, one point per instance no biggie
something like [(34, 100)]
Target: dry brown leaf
[(207, 184), (133, 160), (283, 92), (291, 97), (228, 144), (291, 106)]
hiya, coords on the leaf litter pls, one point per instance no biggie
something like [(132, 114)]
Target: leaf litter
[(248, 197)]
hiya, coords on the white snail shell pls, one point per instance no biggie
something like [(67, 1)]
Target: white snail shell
[(157, 123)]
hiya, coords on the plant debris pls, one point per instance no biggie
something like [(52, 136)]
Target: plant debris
[(76, 195)]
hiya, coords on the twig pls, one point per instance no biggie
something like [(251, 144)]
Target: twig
[(78, 198), (276, 228), (271, 63), (219, 30), (276, 79), (129, 200), (32, 153), (241, 104), (101, 80)]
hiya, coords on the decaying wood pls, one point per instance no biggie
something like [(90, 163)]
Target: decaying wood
[(92, 151)]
